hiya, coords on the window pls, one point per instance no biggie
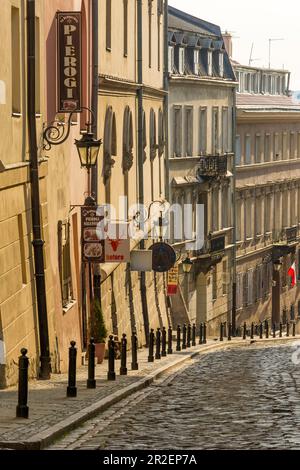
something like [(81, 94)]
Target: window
[(238, 154), (15, 61), (258, 214), (247, 150), (160, 7), (225, 207), (215, 209), (284, 146), (127, 140), (285, 215), (189, 131), (125, 22), (221, 64), (224, 278), (248, 217), (215, 131), (203, 131), (277, 150), (225, 130), (153, 144), (109, 143), (250, 287), (268, 213), (196, 61), (292, 145), (64, 262), (257, 149), (209, 63), (108, 25), (269, 84), (171, 59), (181, 62), (278, 86), (177, 131), (239, 291), (150, 31), (293, 220), (267, 152), (161, 133), (214, 283), (239, 203)]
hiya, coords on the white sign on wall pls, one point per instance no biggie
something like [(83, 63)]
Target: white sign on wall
[(2, 92), (117, 243), (2, 352), (141, 260)]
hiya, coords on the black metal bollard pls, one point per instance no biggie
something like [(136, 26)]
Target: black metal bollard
[(184, 337), (256, 330), (158, 343), (274, 330), (22, 410), (72, 389), (287, 329), (204, 333), (252, 331), (91, 382), (164, 342), (267, 328), (261, 330), (221, 332), (245, 331), (178, 346), (229, 332), (189, 335), (170, 340), (280, 330), (294, 329), (111, 375), (134, 347), (201, 334), (151, 346), (123, 368), (194, 335)]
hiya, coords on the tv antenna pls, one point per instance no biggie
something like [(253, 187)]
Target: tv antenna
[(270, 45), (251, 53)]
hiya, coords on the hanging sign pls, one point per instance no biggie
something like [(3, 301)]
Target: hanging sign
[(163, 257), (141, 260), (173, 281), (117, 243), (92, 247), (69, 32)]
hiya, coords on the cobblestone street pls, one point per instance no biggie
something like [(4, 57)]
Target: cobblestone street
[(235, 399)]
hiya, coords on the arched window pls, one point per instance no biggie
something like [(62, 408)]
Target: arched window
[(153, 144), (127, 140), (110, 143), (161, 133)]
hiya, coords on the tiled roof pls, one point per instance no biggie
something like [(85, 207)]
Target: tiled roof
[(266, 101), (180, 20)]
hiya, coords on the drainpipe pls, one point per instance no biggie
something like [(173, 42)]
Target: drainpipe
[(141, 154), (234, 131), (45, 366), (95, 71), (166, 102)]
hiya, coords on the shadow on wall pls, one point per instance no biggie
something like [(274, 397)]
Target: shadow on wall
[(2, 358)]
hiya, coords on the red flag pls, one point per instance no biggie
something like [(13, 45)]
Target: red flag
[(292, 274)]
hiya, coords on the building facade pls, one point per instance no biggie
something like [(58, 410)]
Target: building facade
[(267, 195), (201, 117)]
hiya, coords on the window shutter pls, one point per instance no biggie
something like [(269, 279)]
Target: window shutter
[(245, 289)]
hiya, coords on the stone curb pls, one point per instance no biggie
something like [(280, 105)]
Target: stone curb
[(45, 438)]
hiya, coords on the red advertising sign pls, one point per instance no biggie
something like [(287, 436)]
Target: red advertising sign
[(92, 248), (173, 280), (69, 32)]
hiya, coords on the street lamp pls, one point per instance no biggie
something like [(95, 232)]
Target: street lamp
[(88, 150), (277, 265), (187, 265)]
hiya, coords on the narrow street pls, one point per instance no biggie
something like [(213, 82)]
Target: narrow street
[(236, 399)]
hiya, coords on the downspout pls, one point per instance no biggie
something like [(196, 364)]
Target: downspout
[(38, 243), (234, 131), (141, 154), (166, 102)]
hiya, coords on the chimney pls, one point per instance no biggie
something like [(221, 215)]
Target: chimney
[(228, 43)]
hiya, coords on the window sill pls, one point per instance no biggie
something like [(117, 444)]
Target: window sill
[(69, 306), (16, 115)]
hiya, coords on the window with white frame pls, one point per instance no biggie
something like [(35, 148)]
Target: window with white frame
[(181, 60), (267, 150), (277, 148), (284, 146), (177, 131), (225, 207), (203, 130), (189, 131), (268, 213), (221, 64), (247, 150), (171, 59), (292, 144), (248, 217), (209, 63), (258, 215), (238, 153), (215, 209), (257, 148), (239, 220), (196, 61), (225, 130), (215, 130)]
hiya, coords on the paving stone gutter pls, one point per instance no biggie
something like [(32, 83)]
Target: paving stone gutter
[(47, 436)]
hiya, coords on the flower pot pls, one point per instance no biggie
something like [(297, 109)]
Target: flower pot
[(99, 352)]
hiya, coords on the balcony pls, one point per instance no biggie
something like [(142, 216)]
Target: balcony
[(212, 166)]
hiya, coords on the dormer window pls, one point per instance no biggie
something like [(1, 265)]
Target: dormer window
[(171, 59), (181, 60), (209, 63), (196, 61), (221, 64)]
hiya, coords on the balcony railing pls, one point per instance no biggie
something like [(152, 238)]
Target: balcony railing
[(213, 165)]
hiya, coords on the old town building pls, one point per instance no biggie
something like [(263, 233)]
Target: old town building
[(267, 195), (201, 114)]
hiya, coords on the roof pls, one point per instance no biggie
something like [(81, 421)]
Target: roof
[(180, 20), (247, 100)]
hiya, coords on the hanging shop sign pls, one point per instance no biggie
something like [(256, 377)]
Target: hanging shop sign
[(141, 260), (69, 55), (163, 257), (93, 249), (117, 243), (173, 281)]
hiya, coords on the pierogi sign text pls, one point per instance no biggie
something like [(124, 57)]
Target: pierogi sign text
[(69, 29)]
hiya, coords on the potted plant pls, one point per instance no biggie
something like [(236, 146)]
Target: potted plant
[(99, 331)]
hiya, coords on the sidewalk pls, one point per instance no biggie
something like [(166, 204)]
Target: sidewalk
[(52, 414)]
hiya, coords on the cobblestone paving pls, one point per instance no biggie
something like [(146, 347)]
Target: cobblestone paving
[(235, 399)]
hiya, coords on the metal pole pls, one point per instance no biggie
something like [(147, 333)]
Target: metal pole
[(134, 345), (178, 346), (164, 342), (151, 346), (91, 382), (95, 71), (72, 389), (111, 375), (123, 368), (22, 410), (158, 343)]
